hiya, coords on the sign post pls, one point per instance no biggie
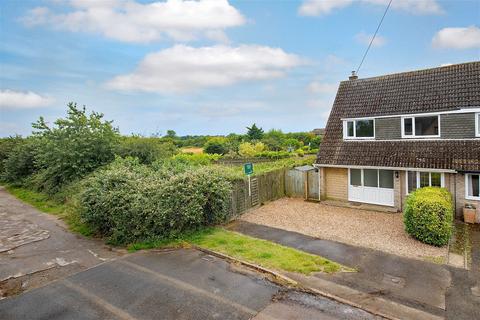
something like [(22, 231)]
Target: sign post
[(248, 169)]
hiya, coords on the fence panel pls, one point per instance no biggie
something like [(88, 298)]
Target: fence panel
[(294, 183)]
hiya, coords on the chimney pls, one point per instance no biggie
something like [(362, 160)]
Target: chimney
[(353, 76)]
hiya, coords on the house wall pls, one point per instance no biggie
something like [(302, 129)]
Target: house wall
[(457, 126), (452, 126), (336, 184), (388, 128), (460, 196)]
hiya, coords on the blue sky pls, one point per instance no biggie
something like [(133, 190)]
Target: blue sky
[(213, 67)]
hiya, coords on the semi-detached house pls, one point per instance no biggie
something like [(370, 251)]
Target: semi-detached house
[(387, 136)]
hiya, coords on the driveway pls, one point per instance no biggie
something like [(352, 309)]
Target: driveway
[(36, 248), (180, 284), (371, 229), (439, 290)]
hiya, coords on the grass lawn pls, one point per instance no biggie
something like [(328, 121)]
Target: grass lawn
[(45, 204), (253, 250)]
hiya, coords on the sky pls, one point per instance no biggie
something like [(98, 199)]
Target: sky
[(213, 66)]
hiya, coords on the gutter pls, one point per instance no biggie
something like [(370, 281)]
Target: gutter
[(319, 165)]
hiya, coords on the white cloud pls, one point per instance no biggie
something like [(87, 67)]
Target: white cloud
[(365, 39), (23, 100), (457, 38), (185, 69), (324, 7), (130, 21), (322, 88)]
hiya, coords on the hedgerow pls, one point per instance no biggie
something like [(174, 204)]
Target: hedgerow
[(428, 215), (128, 202)]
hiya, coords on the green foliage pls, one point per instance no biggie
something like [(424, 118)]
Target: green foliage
[(292, 144), (274, 154), (248, 149), (72, 148), (127, 202), (20, 162), (428, 215), (216, 145), (254, 132), (147, 150), (6, 147)]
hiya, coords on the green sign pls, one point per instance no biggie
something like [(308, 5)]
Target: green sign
[(248, 168)]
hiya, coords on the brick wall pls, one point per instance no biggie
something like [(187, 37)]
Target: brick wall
[(460, 196), (336, 183)]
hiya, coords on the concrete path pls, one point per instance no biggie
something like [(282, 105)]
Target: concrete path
[(180, 284), (417, 284), (36, 248)]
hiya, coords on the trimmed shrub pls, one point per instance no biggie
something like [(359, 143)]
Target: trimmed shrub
[(128, 202), (428, 215), (274, 154)]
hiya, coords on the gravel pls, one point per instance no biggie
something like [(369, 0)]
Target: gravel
[(371, 229)]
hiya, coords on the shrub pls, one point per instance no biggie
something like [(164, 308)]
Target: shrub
[(20, 162), (147, 150), (129, 202), (274, 154), (6, 147), (73, 147), (292, 144), (217, 145), (428, 215), (248, 149)]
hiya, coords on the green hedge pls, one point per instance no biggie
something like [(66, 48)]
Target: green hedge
[(128, 202), (428, 215)]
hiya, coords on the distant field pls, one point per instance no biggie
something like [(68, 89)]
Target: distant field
[(192, 150)]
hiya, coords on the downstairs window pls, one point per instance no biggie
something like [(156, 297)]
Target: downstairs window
[(472, 186), (420, 179)]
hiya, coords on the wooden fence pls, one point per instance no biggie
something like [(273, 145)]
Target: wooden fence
[(268, 187)]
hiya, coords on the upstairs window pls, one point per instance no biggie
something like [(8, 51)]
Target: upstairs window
[(359, 129), (477, 124), (421, 127), (472, 186)]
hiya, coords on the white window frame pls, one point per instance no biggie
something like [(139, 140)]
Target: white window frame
[(345, 127), (442, 179), (466, 186), (477, 124), (413, 135), (362, 180)]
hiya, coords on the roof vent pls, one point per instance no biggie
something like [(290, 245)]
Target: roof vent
[(353, 76)]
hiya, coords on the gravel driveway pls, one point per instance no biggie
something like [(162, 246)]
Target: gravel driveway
[(371, 229)]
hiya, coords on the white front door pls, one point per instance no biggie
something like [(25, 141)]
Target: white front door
[(371, 186)]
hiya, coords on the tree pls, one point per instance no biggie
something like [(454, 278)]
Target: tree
[(73, 147), (146, 150), (171, 134), (274, 139), (254, 132), (216, 145)]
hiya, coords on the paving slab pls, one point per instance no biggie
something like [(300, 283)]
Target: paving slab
[(38, 242)]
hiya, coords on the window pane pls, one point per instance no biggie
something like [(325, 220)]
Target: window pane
[(364, 128), (386, 179), (478, 121), (350, 129), (370, 178), (473, 184), (426, 126), (407, 125), (436, 179), (355, 177), (424, 179), (412, 181)]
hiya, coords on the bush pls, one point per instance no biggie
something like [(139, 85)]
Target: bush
[(274, 154), (72, 148), (147, 150), (129, 202), (20, 162), (6, 147), (248, 149), (428, 215), (217, 145)]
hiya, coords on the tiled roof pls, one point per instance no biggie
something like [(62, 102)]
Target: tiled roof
[(439, 89)]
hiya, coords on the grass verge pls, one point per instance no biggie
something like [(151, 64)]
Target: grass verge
[(253, 250), (45, 204)]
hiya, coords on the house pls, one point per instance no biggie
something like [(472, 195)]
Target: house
[(392, 134), (319, 132)]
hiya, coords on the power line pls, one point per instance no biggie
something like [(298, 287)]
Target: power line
[(374, 35)]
